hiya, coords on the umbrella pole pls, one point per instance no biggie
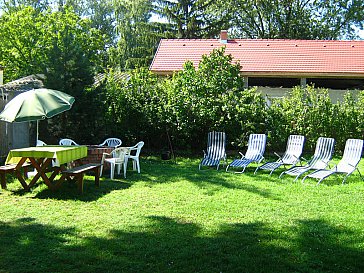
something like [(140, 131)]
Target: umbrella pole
[(37, 132)]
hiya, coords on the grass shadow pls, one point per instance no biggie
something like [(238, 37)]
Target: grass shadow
[(165, 244), (69, 191), (210, 179)]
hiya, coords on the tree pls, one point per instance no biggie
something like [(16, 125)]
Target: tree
[(32, 50), (191, 18), (99, 12), (22, 52), (102, 17), (9, 6), (295, 19), (72, 62), (338, 18), (138, 38), (60, 45)]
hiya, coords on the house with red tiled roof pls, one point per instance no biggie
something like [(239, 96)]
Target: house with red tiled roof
[(274, 65)]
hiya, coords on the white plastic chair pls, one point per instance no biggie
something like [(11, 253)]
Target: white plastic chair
[(215, 150), (67, 142), (117, 159), (112, 142), (347, 165), (255, 152), (40, 143), (133, 153)]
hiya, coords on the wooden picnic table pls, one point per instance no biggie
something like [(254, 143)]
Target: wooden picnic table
[(44, 158)]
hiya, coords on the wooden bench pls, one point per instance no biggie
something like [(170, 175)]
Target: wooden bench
[(10, 168), (79, 172)]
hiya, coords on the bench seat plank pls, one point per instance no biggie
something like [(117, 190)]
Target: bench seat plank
[(79, 172), (10, 168), (82, 168)]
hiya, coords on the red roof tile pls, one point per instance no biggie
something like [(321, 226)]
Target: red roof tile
[(268, 57)]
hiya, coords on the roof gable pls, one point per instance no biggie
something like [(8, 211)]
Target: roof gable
[(261, 57)]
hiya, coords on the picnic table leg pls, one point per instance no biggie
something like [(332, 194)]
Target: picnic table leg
[(97, 176), (56, 171), (41, 168), (19, 175), (80, 182), (38, 174), (3, 180), (60, 182)]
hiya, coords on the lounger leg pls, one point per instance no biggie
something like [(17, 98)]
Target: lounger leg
[(224, 163), (360, 174), (296, 178), (303, 180), (318, 183), (346, 176)]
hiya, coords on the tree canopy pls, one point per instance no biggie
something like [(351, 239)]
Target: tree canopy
[(129, 36), (295, 19), (191, 18)]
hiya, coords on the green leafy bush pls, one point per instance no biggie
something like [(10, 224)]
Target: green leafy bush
[(310, 112), (193, 102), (135, 106), (185, 106), (212, 97)]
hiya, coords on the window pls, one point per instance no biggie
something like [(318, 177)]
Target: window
[(341, 84), (274, 82)]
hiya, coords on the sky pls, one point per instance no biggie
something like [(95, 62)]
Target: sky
[(361, 34)]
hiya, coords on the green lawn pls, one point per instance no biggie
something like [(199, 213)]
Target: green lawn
[(174, 218)]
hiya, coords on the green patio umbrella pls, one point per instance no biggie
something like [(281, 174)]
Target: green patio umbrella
[(35, 105)]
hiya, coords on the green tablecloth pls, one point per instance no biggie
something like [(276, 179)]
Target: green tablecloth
[(61, 154)]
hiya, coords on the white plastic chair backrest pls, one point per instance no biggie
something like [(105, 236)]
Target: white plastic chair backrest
[(137, 147), (118, 154), (256, 146), (216, 145), (112, 142), (40, 143), (67, 141), (323, 153), (140, 145), (294, 149), (352, 155)]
